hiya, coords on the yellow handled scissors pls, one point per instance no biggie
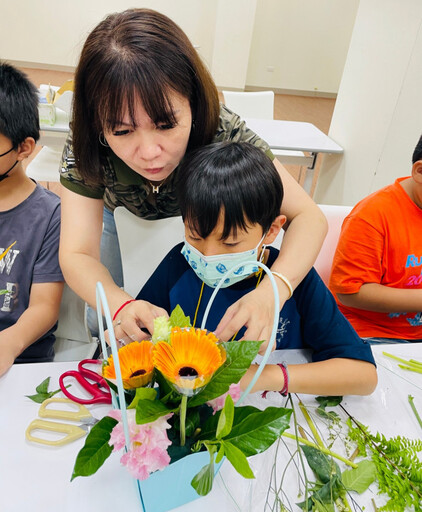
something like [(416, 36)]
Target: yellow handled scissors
[(71, 432)]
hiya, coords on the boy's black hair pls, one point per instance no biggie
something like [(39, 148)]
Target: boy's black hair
[(417, 154), (18, 106), (234, 177)]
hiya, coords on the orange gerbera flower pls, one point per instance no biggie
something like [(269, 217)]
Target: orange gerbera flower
[(189, 360), (135, 364)]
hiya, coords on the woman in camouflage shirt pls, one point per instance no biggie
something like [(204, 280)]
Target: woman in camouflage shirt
[(143, 98)]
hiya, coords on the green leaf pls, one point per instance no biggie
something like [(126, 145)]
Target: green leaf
[(3, 292), (240, 414), (39, 397), (148, 411), (178, 318), (96, 449), (43, 393), (259, 430), (202, 481), (143, 394), (220, 453), (323, 467), (329, 401), (240, 355), (225, 421), (43, 387), (238, 460), (361, 478)]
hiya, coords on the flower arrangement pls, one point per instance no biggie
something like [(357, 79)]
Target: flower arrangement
[(180, 390)]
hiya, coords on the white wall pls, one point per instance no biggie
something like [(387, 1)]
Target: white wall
[(52, 33), (378, 113), (232, 42), (306, 41)]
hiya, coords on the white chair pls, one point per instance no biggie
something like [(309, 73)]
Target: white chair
[(335, 216), (73, 339), (45, 165), (143, 244), (260, 105)]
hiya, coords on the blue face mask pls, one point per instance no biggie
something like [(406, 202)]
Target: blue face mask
[(210, 269)]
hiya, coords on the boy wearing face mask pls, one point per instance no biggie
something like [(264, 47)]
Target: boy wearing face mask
[(230, 198), (31, 282)]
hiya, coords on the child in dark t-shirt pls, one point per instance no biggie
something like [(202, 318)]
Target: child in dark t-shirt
[(31, 282), (230, 197)]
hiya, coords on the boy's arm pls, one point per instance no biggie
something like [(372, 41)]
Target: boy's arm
[(383, 299), (42, 313), (330, 378)]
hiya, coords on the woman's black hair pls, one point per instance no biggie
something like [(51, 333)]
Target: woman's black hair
[(18, 106), (138, 54), (236, 178)]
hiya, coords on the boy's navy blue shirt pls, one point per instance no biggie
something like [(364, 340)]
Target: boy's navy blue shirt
[(310, 319)]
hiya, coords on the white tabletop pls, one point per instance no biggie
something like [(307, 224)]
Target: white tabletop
[(61, 124), (40, 475), (293, 135)]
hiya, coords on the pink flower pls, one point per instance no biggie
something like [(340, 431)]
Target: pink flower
[(148, 444), (218, 403)]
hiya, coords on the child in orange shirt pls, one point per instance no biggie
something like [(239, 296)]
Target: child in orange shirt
[(376, 275)]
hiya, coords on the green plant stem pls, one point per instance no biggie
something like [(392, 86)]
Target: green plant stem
[(412, 363), (411, 368), (311, 424), (183, 408), (412, 405), (321, 448)]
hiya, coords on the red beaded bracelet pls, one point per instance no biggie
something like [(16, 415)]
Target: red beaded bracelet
[(121, 307), (285, 390)]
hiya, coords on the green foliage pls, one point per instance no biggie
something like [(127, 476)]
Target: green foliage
[(96, 449), (178, 318), (142, 394), (148, 411), (239, 357), (42, 392), (202, 481), (225, 421), (361, 478), (398, 467)]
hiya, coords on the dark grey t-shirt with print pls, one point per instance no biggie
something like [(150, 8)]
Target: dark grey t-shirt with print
[(29, 245)]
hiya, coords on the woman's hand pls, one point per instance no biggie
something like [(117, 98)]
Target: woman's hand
[(134, 316), (255, 311)]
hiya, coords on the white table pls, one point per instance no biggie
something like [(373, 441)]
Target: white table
[(55, 135), (40, 475), (295, 136)]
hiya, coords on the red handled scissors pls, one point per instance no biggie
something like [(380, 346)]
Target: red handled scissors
[(91, 381)]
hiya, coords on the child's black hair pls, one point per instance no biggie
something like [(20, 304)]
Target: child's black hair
[(417, 153), (236, 178), (18, 106)]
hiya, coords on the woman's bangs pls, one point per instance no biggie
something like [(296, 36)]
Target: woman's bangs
[(122, 96)]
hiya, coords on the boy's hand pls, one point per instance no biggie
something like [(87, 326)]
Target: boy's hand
[(139, 313), (255, 311)]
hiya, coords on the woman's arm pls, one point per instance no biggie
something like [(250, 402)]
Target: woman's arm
[(329, 378), (383, 299), (80, 240), (40, 316), (302, 241)]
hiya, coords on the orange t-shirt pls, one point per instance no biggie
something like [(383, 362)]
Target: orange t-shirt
[(381, 242)]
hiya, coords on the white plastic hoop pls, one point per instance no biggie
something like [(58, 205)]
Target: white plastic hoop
[(275, 322), (102, 306)]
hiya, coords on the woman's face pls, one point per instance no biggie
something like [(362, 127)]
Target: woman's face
[(152, 151)]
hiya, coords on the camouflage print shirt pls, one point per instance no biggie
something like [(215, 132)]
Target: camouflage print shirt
[(124, 187)]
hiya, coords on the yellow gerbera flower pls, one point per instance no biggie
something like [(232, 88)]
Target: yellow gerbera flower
[(189, 360), (135, 364)]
